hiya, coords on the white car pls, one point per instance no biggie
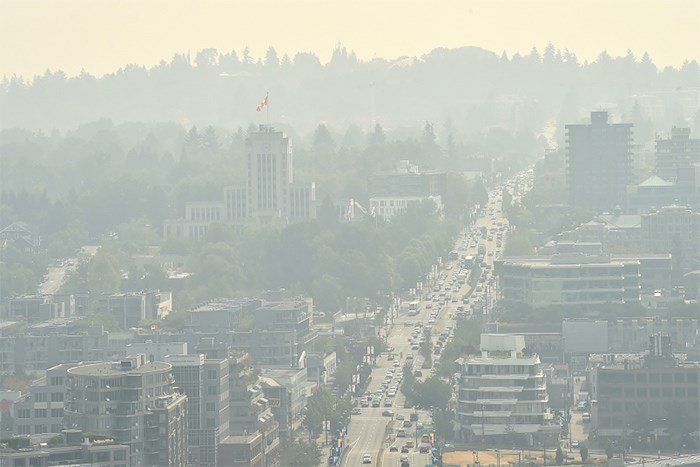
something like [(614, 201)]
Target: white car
[(367, 459)]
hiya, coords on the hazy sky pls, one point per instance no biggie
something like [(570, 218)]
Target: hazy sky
[(102, 35)]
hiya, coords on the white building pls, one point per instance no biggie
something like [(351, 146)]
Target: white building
[(503, 392)]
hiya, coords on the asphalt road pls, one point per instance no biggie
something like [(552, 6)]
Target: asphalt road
[(56, 274), (367, 432)]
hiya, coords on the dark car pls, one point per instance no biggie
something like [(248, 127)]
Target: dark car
[(394, 449), (404, 449), (413, 417), (424, 448), (387, 413)]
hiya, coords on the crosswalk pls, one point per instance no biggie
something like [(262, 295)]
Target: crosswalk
[(668, 462)]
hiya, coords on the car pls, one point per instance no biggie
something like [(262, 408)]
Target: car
[(419, 425), (401, 433), (397, 364), (387, 413), (400, 416), (413, 417), (418, 373), (356, 411), (574, 444), (586, 417), (407, 424), (376, 403), (409, 444), (404, 449), (387, 402), (424, 448), (393, 449), (367, 459)]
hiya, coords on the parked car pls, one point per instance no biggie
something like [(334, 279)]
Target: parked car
[(367, 459)]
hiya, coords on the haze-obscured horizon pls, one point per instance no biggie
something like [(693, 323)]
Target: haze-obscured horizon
[(102, 37)]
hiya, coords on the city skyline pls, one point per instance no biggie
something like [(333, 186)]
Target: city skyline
[(54, 35)]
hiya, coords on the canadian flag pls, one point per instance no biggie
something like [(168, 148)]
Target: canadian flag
[(262, 105)]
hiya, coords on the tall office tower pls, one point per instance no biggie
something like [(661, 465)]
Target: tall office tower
[(677, 153), (134, 401), (206, 384), (599, 163), (270, 173)]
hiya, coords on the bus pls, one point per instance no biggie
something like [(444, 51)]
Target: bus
[(414, 308)]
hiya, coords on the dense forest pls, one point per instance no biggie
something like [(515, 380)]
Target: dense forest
[(464, 90)]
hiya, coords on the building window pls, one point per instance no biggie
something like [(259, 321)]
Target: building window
[(40, 413), (211, 406), (56, 413), (57, 381), (40, 397), (56, 397), (212, 374)]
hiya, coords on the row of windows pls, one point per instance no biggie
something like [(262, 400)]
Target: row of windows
[(23, 429), (205, 214), (678, 392), (676, 377)]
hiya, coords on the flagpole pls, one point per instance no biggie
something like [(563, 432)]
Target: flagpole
[(267, 109)]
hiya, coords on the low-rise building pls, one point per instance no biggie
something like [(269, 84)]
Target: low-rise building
[(73, 449), (568, 280), (286, 391), (644, 397), (395, 191)]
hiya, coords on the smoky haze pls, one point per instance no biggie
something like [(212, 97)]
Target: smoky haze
[(332, 233)]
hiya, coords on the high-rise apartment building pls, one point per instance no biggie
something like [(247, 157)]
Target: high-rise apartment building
[(677, 153), (206, 384), (599, 163), (134, 401)]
